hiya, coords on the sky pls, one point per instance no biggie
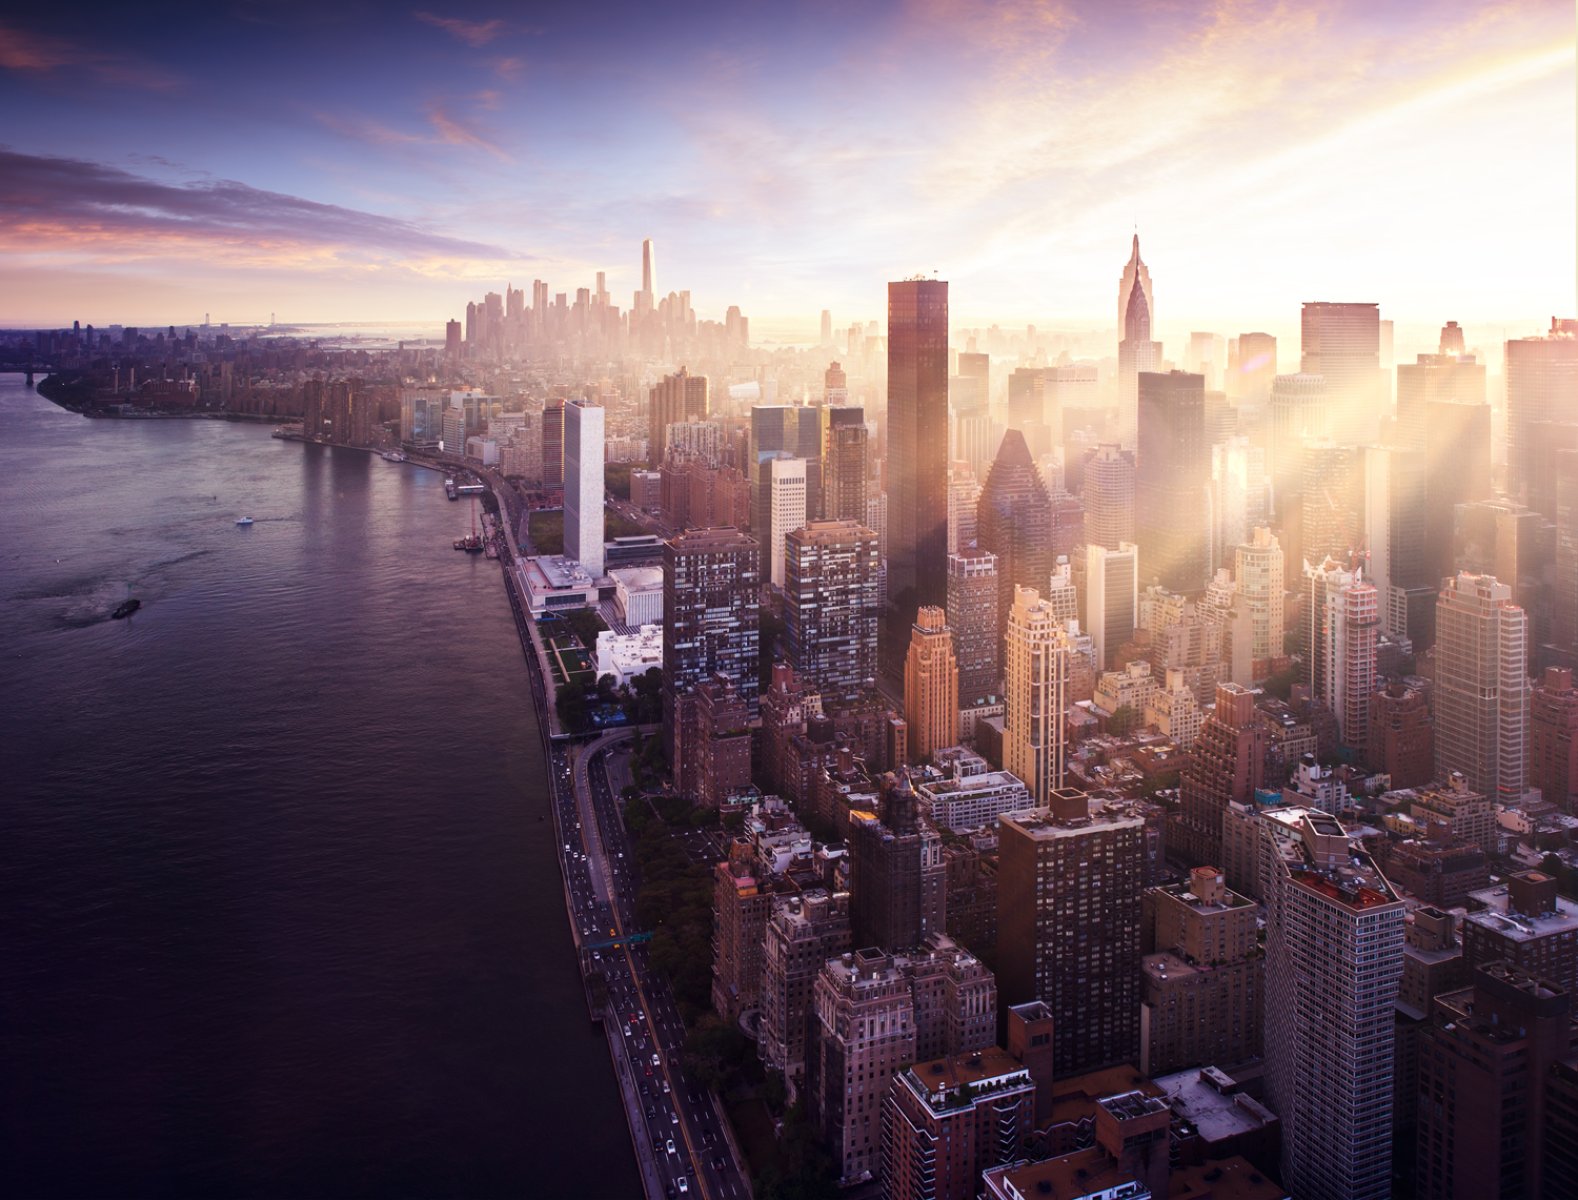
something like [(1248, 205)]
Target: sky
[(356, 161)]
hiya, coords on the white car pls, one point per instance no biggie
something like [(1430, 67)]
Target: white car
[(684, 1186), (669, 1146)]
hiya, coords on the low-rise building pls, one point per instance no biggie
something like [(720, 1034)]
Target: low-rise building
[(626, 656), (638, 594)]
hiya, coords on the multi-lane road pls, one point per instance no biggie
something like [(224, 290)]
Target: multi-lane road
[(681, 1140)]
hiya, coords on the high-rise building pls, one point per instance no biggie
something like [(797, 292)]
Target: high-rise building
[(1342, 344), (802, 933), (583, 485), (1258, 572), (1108, 494), (1553, 738), (1485, 1063), (1035, 694), (1393, 537), (1526, 923), (917, 463), (1330, 497), (844, 464), (973, 618), (1457, 447), (1014, 520), (1542, 379), (831, 606), (964, 501), (931, 686), (947, 1120), (1434, 378), (1137, 353), (723, 744), (1171, 480), (1112, 598), (1250, 374), (680, 397), (1204, 977), (1341, 619), (1402, 735), (1334, 944), (1481, 693), (781, 491), (1297, 412), (553, 444), (1226, 764), (741, 905), (897, 878), (1068, 919), (711, 582), (648, 269)]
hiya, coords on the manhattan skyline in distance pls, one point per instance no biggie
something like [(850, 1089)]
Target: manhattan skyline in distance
[(264, 159)]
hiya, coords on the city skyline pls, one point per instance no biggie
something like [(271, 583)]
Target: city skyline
[(792, 165)]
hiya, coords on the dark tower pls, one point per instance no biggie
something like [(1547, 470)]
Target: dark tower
[(1013, 520)]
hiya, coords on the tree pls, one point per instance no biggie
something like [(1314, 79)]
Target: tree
[(570, 704), (586, 625), (1123, 721)]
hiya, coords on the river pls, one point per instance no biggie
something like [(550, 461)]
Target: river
[(283, 912)]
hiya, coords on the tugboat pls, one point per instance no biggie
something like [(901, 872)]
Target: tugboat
[(244, 522)]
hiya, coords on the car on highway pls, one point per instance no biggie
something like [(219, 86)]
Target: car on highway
[(669, 1146), (684, 1185)]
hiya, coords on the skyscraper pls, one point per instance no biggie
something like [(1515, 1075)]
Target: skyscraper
[(1553, 738), (1013, 520), (897, 878), (1341, 617), (1225, 765), (844, 464), (1482, 688), (1035, 695), (1250, 374), (648, 268), (973, 618), (1342, 344), (1542, 379), (1331, 500), (1258, 572), (1434, 378), (831, 606), (1136, 351), (1334, 944), (1457, 446), (553, 444), (781, 492), (710, 598), (583, 485), (1068, 918), (677, 398), (1112, 598), (931, 686), (1109, 496), (917, 468), (1172, 477)]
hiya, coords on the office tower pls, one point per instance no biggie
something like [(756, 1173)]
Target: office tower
[(1457, 447), (1334, 944), (1035, 694), (1526, 923), (1108, 494), (973, 618), (1482, 690), (896, 872), (723, 744), (1542, 379), (1226, 764), (1392, 530), (969, 394), (741, 905), (947, 1120), (1258, 572), (710, 598), (1342, 344), (1433, 379), (964, 500), (1331, 500), (1068, 920), (844, 464), (1013, 520), (835, 386), (583, 485), (831, 606), (1204, 981), (1553, 738), (1061, 593), (452, 339), (1485, 1061), (1172, 473), (648, 269), (931, 686), (781, 494), (1249, 377), (1112, 598), (1402, 735), (1239, 497), (680, 397), (1341, 619), (862, 1033), (1136, 351), (1206, 355), (917, 465), (826, 338), (802, 933), (1028, 410)]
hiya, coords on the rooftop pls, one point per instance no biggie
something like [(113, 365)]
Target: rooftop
[(1211, 1101), (955, 1081), (639, 579), (1494, 914)]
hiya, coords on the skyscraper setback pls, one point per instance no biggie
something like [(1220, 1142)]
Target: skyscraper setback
[(917, 461)]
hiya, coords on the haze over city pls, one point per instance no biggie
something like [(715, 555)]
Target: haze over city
[(371, 162)]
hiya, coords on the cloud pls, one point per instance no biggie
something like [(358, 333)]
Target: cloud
[(52, 204), (36, 53), (473, 33), (510, 68), (455, 131)]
